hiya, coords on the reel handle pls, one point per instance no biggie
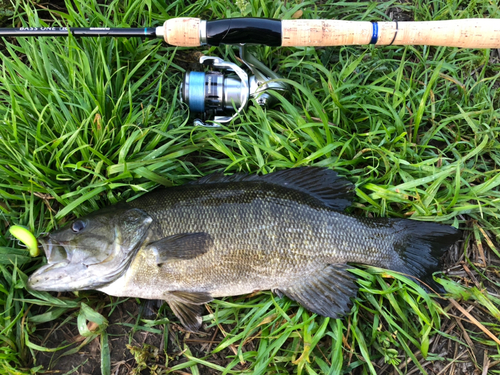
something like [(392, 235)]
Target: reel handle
[(464, 33)]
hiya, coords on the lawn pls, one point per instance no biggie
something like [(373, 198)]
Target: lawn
[(93, 121)]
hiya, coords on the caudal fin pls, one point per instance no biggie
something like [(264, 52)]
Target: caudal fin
[(421, 247)]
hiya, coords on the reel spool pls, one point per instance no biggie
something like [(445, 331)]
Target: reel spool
[(220, 95)]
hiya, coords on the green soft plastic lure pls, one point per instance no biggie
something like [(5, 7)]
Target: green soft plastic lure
[(27, 238)]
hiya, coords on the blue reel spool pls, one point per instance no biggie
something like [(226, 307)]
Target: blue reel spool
[(212, 93), (194, 91)]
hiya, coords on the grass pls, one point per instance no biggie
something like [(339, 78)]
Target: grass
[(89, 122)]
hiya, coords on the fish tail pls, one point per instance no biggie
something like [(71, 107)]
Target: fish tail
[(420, 248)]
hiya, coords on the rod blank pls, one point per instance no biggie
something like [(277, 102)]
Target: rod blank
[(149, 32)]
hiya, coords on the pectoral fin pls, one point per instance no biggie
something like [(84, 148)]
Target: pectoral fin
[(187, 306), (327, 292), (181, 246)]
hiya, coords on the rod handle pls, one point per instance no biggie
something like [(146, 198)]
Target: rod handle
[(182, 31), (465, 33)]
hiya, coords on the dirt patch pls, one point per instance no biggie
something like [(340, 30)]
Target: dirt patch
[(87, 359), (133, 350), (398, 14)]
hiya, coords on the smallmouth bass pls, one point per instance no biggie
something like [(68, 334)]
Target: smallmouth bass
[(232, 235)]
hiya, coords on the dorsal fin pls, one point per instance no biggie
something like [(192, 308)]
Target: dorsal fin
[(320, 183)]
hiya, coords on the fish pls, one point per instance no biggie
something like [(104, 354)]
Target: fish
[(229, 235)]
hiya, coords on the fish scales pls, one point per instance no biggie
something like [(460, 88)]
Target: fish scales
[(263, 234), (232, 235)]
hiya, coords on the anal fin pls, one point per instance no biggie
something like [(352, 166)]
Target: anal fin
[(327, 292)]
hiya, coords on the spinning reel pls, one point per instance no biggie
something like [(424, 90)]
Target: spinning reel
[(219, 96)]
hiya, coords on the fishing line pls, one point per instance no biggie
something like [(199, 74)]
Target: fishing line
[(395, 34)]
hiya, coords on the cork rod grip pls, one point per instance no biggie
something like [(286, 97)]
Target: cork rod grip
[(465, 33), (182, 32)]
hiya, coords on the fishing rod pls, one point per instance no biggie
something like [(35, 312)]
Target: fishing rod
[(222, 95), (192, 32)]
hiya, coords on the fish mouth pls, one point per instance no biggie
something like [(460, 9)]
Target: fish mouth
[(59, 274), (67, 271), (50, 277), (54, 251)]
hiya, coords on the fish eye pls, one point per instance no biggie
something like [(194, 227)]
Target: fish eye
[(77, 226)]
